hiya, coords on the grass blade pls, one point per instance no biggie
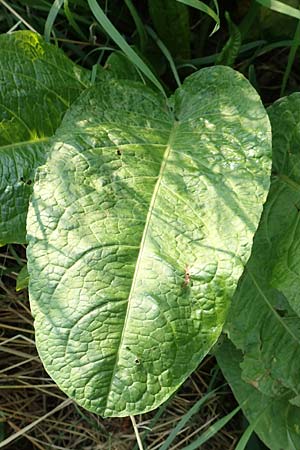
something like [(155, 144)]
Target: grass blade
[(269, 47), (291, 59), (120, 41), (54, 10), (138, 23), (280, 7), (216, 6), (72, 20), (206, 9), (166, 53), (136, 432), (16, 14), (194, 409), (171, 22), (246, 436), (211, 59), (252, 76), (154, 420), (248, 20), (212, 430)]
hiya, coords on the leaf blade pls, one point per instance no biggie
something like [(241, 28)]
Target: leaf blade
[(26, 131), (270, 340), (280, 7), (130, 157), (274, 419)]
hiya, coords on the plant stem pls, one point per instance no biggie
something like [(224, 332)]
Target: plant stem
[(137, 435)]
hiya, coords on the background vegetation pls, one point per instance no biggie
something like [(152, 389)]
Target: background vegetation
[(173, 40)]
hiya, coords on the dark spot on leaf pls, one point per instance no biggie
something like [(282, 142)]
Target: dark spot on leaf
[(137, 361), (297, 207), (281, 312), (254, 383), (28, 182), (119, 152)]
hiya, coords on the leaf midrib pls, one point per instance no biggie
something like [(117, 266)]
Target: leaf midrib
[(289, 182), (142, 245), (16, 145), (278, 318)]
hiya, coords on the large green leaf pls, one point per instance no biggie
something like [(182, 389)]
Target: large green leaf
[(264, 318), (276, 420), (37, 85), (140, 225)]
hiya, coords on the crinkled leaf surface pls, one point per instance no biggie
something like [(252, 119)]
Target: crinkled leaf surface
[(264, 318), (140, 225), (37, 85), (276, 419)]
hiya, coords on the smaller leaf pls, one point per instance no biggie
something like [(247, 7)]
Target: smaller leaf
[(270, 340), (276, 420), (22, 279), (39, 83)]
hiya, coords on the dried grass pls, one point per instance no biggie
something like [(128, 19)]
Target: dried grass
[(34, 409)]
